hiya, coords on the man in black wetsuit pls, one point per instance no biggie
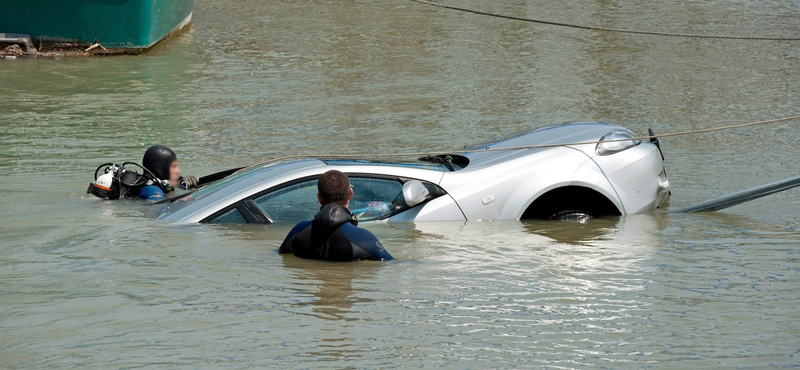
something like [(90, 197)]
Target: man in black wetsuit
[(333, 234)]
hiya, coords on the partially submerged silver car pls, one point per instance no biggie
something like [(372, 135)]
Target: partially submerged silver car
[(619, 175)]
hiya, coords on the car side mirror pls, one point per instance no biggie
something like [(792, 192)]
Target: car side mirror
[(414, 192)]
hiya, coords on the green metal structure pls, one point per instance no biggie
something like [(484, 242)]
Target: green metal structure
[(119, 25)]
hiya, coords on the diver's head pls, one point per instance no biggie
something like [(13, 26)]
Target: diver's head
[(334, 187), (163, 163)]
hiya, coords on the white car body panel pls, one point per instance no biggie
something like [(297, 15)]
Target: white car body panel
[(635, 183), (512, 184)]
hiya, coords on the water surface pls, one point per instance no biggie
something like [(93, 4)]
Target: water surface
[(91, 284)]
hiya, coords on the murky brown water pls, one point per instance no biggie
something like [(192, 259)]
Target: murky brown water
[(91, 284)]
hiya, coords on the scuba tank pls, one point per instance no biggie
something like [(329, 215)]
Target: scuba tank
[(121, 182)]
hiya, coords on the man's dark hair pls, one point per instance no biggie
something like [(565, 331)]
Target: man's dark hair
[(334, 187)]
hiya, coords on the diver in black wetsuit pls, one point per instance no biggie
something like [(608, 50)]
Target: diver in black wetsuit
[(161, 174), (333, 234)]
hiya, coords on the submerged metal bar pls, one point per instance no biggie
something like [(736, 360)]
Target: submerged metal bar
[(741, 197)]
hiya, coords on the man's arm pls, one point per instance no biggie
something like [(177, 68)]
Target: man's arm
[(286, 246), (379, 252)]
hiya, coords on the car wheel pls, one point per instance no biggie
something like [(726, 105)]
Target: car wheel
[(571, 215)]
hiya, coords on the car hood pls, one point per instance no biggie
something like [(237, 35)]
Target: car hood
[(559, 134)]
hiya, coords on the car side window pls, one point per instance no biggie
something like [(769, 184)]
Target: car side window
[(233, 216), (373, 198), (293, 203)]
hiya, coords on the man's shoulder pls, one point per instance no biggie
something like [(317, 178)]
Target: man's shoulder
[(297, 228), (303, 223), (351, 230), (286, 246)]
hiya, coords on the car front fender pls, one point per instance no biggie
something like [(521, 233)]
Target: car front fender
[(503, 190)]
